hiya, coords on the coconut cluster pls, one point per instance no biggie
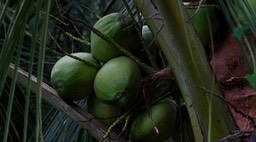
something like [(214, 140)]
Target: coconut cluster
[(112, 81)]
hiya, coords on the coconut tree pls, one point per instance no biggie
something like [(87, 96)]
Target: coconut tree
[(35, 34)]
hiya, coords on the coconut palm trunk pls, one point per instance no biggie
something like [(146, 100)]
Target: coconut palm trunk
[(209, 115)]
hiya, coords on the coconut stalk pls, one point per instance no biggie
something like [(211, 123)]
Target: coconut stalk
[(210, 116)]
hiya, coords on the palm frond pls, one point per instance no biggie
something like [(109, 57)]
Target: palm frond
[(64, 129)]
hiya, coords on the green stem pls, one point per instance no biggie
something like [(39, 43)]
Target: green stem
[(83, 41), (118, 121)]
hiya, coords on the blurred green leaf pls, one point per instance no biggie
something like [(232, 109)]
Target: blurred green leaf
[(251, 78)]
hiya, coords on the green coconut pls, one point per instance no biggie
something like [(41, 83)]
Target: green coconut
[(73, 79), (118, 27), (148, 37), (107, 113), (147, 34), (151, 54), (118, 82), (164, 116), (204, 26)]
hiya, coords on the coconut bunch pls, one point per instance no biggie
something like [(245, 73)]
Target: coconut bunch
[(118, 89)]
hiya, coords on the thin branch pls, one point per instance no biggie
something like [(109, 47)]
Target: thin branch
[(229, 103), (234, 136), (74, 57), (83, 41)]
